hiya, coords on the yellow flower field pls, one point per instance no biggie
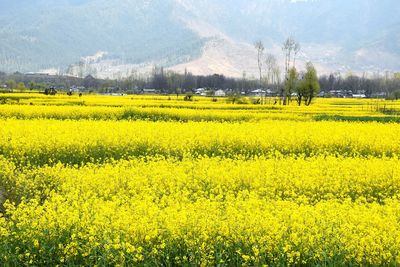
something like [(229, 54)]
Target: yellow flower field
[(41, 142), (157, 181)]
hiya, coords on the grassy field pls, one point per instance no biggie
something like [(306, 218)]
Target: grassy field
[(158, 181)]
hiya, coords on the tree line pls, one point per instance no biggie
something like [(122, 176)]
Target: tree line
[(295, 86), (385, 85)]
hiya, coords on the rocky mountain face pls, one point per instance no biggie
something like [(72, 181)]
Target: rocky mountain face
[(113, 38)]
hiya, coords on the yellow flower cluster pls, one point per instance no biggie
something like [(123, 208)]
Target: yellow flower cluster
[(30, 106), (73, 142), (139, 113), (207, 212), (196, 184)]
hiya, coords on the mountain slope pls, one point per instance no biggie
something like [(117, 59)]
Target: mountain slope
[(49, 35), (337, 35), (204, 36)]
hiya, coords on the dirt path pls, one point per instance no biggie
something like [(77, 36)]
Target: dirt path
[(2, 199)]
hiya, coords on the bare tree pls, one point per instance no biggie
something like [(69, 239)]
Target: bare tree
[(287, 49), (291, 49), (81, 69), (270, 65), (296, 51), (260, 52), (244, 77), (277, 80)]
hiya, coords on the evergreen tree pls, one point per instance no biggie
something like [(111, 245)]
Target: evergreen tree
[(309, 87), (290, 85)]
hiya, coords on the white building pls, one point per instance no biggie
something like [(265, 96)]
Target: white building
[(220, 93), (200, 91), (359, 96), (258, 92), (150, 91)]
